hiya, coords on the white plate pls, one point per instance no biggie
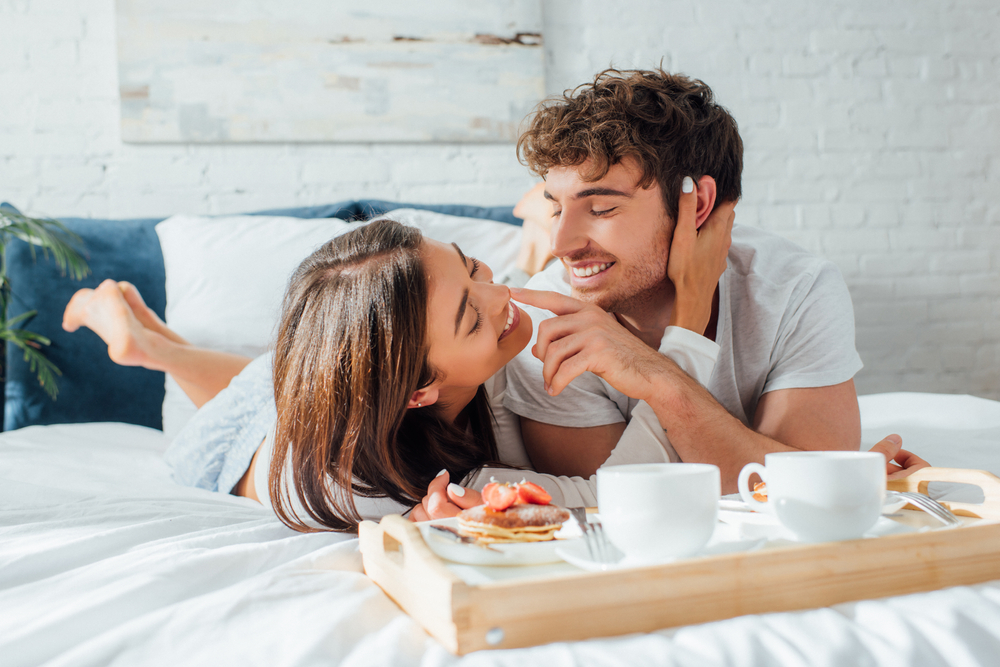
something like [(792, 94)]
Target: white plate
[(527, 553)]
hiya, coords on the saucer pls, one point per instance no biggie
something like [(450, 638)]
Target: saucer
[(575, 552), (733, 503), (891, 504)]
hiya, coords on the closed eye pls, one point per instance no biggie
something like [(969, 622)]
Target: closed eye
[(479, 320), (604, 212), (475, 267)]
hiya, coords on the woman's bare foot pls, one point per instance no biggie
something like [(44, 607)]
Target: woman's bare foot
[(146, 316), (536, 212), (106, 312)]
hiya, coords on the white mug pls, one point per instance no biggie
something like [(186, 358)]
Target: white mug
[(654, 512), (820, 496)]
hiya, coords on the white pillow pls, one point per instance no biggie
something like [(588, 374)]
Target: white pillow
[(226, 277), (495, 243)]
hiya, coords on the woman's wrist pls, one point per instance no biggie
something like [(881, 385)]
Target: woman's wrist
[(691, 314)]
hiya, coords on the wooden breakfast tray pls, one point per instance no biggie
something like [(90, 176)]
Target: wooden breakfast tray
[(542, 606)]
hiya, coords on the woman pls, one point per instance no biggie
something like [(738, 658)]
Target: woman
[(366, 411), (381, 402)]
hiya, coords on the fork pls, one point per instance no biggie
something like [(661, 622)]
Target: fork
[(463, 539), (598, 546), (929, 505)]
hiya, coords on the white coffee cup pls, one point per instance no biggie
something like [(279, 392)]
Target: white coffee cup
[(654, 512), (820, 496)]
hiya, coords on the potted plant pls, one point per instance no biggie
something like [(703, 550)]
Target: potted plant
[(55, 239)]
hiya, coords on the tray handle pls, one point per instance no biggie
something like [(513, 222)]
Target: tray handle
[(988, 482), (397, 545)]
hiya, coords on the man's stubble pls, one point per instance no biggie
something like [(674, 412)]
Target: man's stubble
[(641, 286)]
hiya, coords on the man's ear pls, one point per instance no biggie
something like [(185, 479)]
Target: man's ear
[(421, 398), (706, 200)]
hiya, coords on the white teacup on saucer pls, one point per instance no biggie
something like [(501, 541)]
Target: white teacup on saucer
[(656, 512), (820, 496)]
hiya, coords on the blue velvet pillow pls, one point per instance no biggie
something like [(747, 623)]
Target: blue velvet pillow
[(93, 388)]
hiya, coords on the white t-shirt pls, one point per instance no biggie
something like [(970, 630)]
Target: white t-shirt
[(785, 321)]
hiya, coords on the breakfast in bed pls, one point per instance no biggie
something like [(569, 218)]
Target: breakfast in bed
[(400, 347)]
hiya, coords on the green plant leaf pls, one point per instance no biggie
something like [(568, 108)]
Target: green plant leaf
[(38, 363), (18, 336), (51, 235), (9, 324)]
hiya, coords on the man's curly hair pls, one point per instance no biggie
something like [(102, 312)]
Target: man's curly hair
[(669, 123)]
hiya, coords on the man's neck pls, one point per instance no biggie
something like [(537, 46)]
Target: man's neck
[(648, 319)]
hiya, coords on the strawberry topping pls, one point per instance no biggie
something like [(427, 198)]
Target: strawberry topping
[(499, 496)]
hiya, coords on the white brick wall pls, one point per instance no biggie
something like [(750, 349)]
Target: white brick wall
[(872, 135)]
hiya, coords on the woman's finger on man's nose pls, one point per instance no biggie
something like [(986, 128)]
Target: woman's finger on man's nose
[(559, 304)]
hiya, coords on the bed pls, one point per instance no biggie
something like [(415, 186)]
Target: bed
[(104, 560)]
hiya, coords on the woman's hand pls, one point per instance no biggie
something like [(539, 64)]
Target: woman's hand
[(697, 260), (444, 500), (906, 463)]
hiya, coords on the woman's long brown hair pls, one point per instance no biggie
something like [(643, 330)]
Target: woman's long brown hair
[(351, 349)]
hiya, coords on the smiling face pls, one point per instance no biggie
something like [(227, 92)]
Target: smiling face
[(612, 236), (473, 327)]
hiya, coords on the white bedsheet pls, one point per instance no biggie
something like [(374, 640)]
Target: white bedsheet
[(950, 431), (104, 561)]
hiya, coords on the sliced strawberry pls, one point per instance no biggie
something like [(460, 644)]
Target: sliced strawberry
[(532, 494), (488, 491), (499, 497)]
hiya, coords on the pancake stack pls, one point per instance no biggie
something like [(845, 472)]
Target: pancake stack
[(517, 523)]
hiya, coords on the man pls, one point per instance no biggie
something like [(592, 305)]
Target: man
[(617, 155)]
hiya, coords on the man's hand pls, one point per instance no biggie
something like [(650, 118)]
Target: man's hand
[(906, 463), (444, 500), (586, 338), (697, 260)]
